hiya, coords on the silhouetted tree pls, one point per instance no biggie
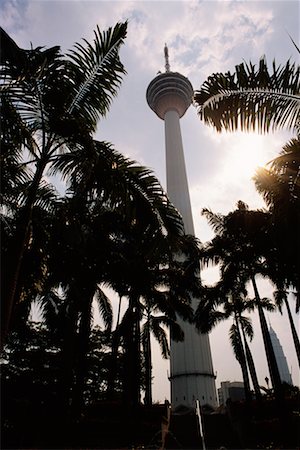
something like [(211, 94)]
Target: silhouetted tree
[(241, 246), (55, 103)]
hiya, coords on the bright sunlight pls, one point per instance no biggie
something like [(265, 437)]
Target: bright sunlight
[(244, 154)]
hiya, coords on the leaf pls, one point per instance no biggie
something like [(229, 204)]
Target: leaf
[(236, 343), (251, 99), (105, 308), (98, 71)]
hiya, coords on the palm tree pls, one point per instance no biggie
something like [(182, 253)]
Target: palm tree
[(156, 324), (84, 332), (57, 103), (252, 98), (80, 251), (241, 246), (280, 186), (13, 174), (97, 176), (143, 272), (57, 312), (258, 99), (242, 329), (102, 219), (239, 351), (228, 299), (104, 216), (33, 275)]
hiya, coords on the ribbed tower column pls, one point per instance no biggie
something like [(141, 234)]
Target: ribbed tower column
[(169, 95)]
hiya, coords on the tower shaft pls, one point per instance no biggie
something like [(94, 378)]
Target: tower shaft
[(192, 376), (177, 184), (169, 95)]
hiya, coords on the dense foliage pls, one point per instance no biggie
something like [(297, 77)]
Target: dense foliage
[(111, 225)]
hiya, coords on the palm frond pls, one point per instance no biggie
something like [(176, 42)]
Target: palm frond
[(252, 110), (160, 335), (216, 221), (46, 195), (51, 309), (11, 52), (176, 332), (105, 307), (99, 169), (15, 132), (290, 150), (295, 45), (251, 99), (91, 65), (26, 77), (267, 304), (297, 300), (209, 312), (287, 167), (280, 296), (236, 343), (246, 324), (269, 186)]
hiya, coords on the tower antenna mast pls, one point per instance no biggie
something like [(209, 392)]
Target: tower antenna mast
[(167, 65)]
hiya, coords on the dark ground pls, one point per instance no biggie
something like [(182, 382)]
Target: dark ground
[(110, 426)]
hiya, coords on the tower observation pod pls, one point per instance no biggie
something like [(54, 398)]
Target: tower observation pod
[(169, 95)]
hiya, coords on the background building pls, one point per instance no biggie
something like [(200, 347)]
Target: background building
[(280, 358), (231, 390)]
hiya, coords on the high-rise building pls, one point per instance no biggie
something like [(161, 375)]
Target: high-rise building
[(233, 390), (280, 358), (169, 95)]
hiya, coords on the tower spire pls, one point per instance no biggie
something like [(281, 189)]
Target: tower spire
[(167, 65)]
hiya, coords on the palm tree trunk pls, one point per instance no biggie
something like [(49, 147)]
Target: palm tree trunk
[(119, 311), (69, 348), (294, 332), (128, 360), (243, 363), (83, 346), (137, 356), (148, 366), (113, 363), (252, 370), (251, 365), (271, 359), (11, 284), (132, 362)]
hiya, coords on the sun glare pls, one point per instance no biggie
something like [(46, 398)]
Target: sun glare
[(244, 155)]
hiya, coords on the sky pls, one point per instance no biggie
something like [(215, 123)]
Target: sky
[(203, 37)]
